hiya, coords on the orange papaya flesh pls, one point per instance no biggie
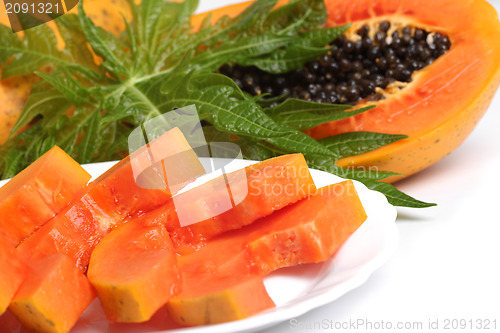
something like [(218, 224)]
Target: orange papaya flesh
[(121, 190), (134, 270), (309, 231), (38, 193), (107, 202), (328, 219), (442, 104), (12, 273), (169, 162), (206, 300), (73, 232), (53, 296), (235, 199)]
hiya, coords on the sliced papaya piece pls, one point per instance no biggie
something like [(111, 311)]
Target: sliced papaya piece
[(12, 273), (140, 182), (324, 221), (206, 299), (309, 231), (106, 203), (134, 270), (38, 193), (235, 199), (53, 296)]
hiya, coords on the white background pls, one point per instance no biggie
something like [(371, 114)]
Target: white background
[(447, 265)]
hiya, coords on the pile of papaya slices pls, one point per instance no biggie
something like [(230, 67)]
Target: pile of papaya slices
[(64, 241)]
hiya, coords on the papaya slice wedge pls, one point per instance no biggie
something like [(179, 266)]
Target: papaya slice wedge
[(207, 300), (309, 231), (53, 296), (12, 274), (135, 281), (107, 202), (38, 193), (235, 199)]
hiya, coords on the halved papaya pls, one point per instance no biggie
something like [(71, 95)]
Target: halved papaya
[(308, 231), (107, 202), (38, 193), (206, 299), (134, 270), (12, 274), (443, 102), (235, 199), (53, 296)]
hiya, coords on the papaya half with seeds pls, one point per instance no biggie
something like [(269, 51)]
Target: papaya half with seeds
[(442, 102)]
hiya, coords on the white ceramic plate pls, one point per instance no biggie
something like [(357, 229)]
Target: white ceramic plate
[(295, 290)]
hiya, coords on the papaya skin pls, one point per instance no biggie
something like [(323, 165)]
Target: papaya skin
[(412, 155)]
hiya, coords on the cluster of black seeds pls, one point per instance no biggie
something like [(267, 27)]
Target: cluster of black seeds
[(352, 69)]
